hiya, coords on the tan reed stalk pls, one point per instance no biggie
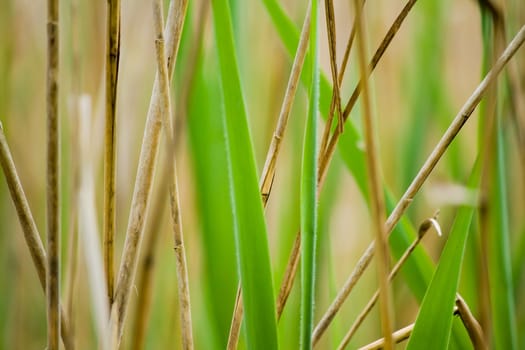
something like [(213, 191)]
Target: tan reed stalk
[(110, 154), (438, 151), (324, 158), (146, 169), (31, 235), (268, 172), (176, 220), (423, 229), (397, 337), (471, 324), (377, 200), (53, 179)]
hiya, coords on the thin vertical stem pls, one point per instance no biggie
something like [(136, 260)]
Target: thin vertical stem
[(112, 66), (144, 180), (180, 253), (53, 179), (377, 199)]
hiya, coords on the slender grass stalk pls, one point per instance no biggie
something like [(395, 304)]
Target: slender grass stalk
[(31, 235), (392, 31), (268, 173), (376, 192), (340, 76), (423, 229), (53, 179), (330, 26), (324, 159), (146, 168), (148, 264), (112, 66), (397, 337), (309, 191), (436, 154), (180, 252)]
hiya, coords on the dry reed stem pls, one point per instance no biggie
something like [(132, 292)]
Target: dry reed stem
[(375, 181), (268, 172), (438, 151), (423, 229), (112, 66), (471, 324), (53, 179), (146, 169), (31, 235), (394, 28), (145, 274), (398, 336), (329, 119), (332, 40), (176, 220)]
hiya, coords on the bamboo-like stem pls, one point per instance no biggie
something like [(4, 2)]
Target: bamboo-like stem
[(397, 337), (268, 172), (112, 66), (423, 229), (53, 179), (375, 181), (31, 235), (146, 169), (330, 148), (180, 253), (438, 151)]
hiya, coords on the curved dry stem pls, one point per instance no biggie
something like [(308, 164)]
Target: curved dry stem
[(146, 169), (31, 235), (454, 128), (112, 65), (423, 229)]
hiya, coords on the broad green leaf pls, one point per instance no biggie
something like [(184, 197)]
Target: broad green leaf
[(208, 146), (250, 227), (434, 321), (309, 192)]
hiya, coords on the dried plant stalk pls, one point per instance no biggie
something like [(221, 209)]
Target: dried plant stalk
[(112, 65), (180, 252), (438, 151), (53, 179), (377, 199), (146, 169), (31, 235)]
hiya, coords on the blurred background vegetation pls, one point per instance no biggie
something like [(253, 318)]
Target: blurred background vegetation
[(431, 68)]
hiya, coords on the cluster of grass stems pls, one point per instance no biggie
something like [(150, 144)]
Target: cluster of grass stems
[(468, 299)]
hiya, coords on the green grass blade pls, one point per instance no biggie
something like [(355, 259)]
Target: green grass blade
[(308, 192), (500, 269), (434, 321), (250, 227), (208, 146)]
